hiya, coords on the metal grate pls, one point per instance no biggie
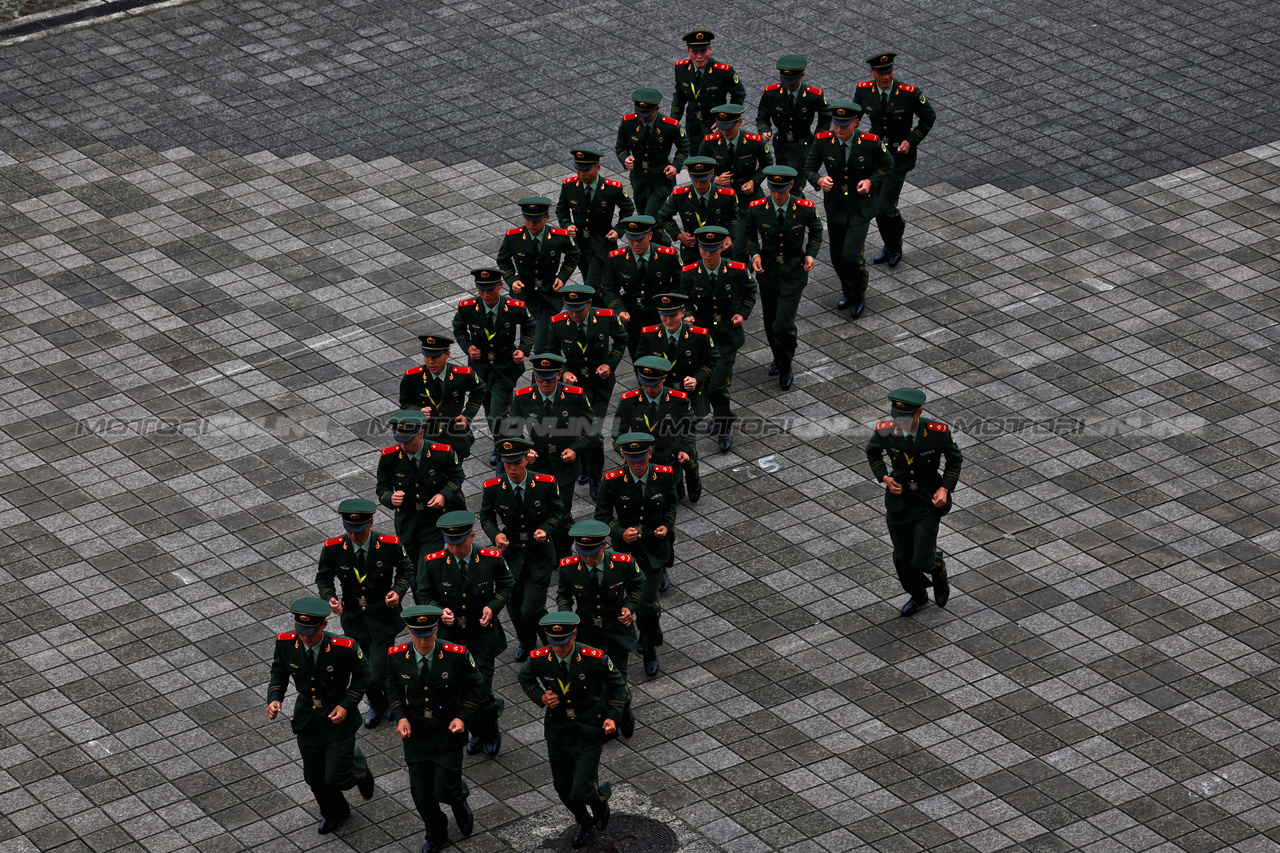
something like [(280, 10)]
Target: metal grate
[(626, 834)]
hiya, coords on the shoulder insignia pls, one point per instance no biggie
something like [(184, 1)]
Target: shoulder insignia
[(622, 558), (568, 561), (663, 469), (435, 555), (557, 318), (395, 650), (457, 650), (773, 87), (629, 117), (604, 312), (902, 87), (572, 389), (490, 552), (869, 137), (632, 394), (884, 424), (613, 475), (617, 253), (826, 134), (389, 450), (865, 84), (543, 478), (511, 232), (466, 303), (560, 232), (754, 137), (937, 427), (516, 303), (389, 540), (461, 371), (289, 636), (443, 448), (670, 120), (540, 653), (592, 653), (528, 389), (758, 202), (688, 267), (726, 191), (711, 137), (329, 543), (412, 371), (679, 395), (665, 250), (735, 265), (610, 182), (343, 642), (496, 481), (680, 191), (572, 179), (649, 329), (804, 202), (698, 330), (720, 66), (682, 62), (812, 90)]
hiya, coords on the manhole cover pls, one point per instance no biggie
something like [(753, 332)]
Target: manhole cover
[(626, 834)]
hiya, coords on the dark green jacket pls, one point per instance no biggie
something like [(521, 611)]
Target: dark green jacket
[(747, 159), (609, 203), (792, 116), (552, 425), (364, 607), (684, 212), (592, 691), (624, 503), (800, 236), (600, 603), (604, 342), (339, 677), (714, 300), (893, 124), (694, 353), (498, 344), (438, 472), (537, 264), (653, 147), (540, 509), (489, 583), (453, 689), (462, 392), (915, 462), (868, 160), (671, 425), (720, 85), (625, 289)]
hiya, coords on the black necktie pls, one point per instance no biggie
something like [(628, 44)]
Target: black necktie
[(884, 100), (360, 563), (640, 264), (702, 206), (520, 494), (564, 667), (424, 668), (462, 569), (782, 217), (586, 194), (433, 387)]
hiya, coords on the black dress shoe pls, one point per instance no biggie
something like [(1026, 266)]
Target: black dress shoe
[(328, 825), (914, 604), (365, 784), (941, 590), (580, 833), (881, 256), (726, 439), (894, 257), (602, 816), (786, 379), (856, 311), (695, 486), (372, 718), (583, 479), (463, 817), (474, 745), (627, 727), (493, 744), (434, 846), (593, 488), (844, 303), (650, 662), (774, 370), (664, 582), (521, 654), (680, 489)]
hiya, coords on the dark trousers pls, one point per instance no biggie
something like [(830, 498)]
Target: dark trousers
[(889, 220), (848, 242), (915, 551), (650, 189), (728, 341), (780, 290), (330, 765), (435, 777), (500, 384), (529, 595), (574, 756), (484, 722), (375, 648), (649, 613)]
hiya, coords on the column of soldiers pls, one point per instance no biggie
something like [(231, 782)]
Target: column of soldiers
[(674, 297)]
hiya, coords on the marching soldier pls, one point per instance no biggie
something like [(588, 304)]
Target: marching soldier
[(330, 674), (557, 420), (419, 481), (587, 208), (689, 208), (373, 571), (485, 328), (471, 585), (646, 140), (663, 413), (536, 261), (520, 512), (448, 395), (584, 695), (638, 501), (690, 350), (604, 588), (592, 343), (791, 107), (435, 689), (855, 164), (916, 495), (635, 274), (721, 294), (892, 107), (783, 235), (740, 157), (702, 85)]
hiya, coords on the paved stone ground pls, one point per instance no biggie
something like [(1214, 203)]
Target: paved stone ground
[(205, 305)]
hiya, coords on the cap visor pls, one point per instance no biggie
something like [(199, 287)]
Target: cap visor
[(456, 540), (304, 630), (424, 632), (586, 550)]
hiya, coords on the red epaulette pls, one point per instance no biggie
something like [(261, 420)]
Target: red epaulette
[(698, 330), (395, 650), (754, 137), (560, 232), (516, 303), (647, 329), (496, 481), (434, 555), (465, 371), (663, 469), (804, 202), (632, 394), (528, 389), (735, 265), (413, 370), (387, 450), (343, 642), (557, 318), (937, 427), (688, 267), (758, 202), (610, 182), (604, 312), (682, 62), (569, 180), (592, 653), (289, 636), (665, 250), (337, 540), (865, 84), (389, 540), (457, 650), (442, 447), (726, 191), (670, 120), (812, 91), (905, 88), (629, 117), (572, 389), (466, 303), (622, 558), (490, 552), (543, 478), (613, 475), (680, 191), (679, 395), (540, 653), (711, 137), (568, 561), (617, 253), (511, 231), (869, 137), (773, 87), (884, 424), (720, 66)]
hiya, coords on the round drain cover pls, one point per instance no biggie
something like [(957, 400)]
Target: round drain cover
[(626, 834)]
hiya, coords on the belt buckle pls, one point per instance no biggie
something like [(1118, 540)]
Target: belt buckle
[(551, 448), (364, 602), (911, 486), (570, 713), (644, 164), (791, 137), (699, 115), (780, 260), (844, 188), (537, 282), (428, 715), (493, 357), (597, 621), (584, 233), (461, 622), (420, 506), (316, 703), (525, 537)]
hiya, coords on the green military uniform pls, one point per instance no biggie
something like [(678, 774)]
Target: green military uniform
[(654, 141), (782, 236), (915, 456), (331, 673), (647, 503), (791, 107), (533, 263), (892, 114), (716, 293), (589, 690), (689, 208), (663, 413), (849, 213), (701, 90), (635, 274), (433, 470), (744, 156), (429, 691), (367, 572), (690, 350), (519, 510), (454, 391), (503, 334), (592, 207), (464, 586)]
